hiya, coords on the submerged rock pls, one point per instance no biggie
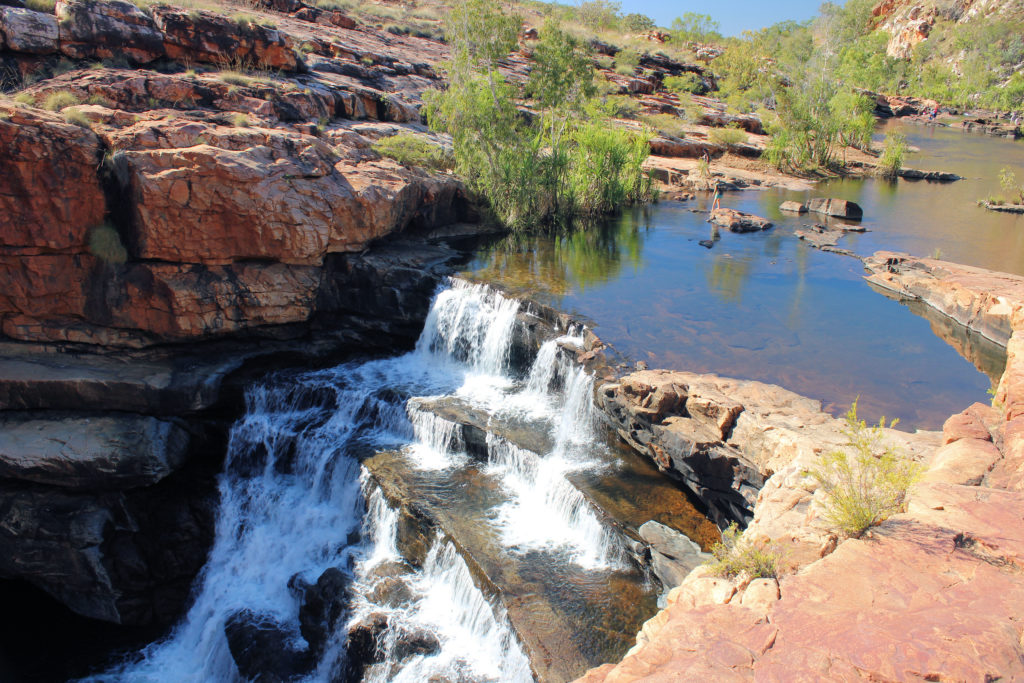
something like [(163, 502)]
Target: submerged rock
[(263, 649)]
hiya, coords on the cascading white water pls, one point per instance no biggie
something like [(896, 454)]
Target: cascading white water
[(293, 496)]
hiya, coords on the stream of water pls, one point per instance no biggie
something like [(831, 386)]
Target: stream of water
[(303, 493)]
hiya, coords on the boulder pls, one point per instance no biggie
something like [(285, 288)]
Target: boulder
[(673, 555), (96, 453), (24, 30), (263, 649), (738, 221), (840, 208), (793, 207), (104, 29), (323, 604), (202, 36), (50, 194)]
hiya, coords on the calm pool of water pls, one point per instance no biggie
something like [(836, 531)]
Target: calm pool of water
[(765, 306)]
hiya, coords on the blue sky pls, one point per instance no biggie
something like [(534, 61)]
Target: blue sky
[(735, 16)]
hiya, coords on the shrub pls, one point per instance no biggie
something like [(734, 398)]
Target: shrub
[(414, 150), (619, 106), (25, 98), (235, 78), (100, 100), (727, 136), (866, 483), (240, 120), (666, 124), (41, 5), (687, 83), (56, 101), (105, 244), (736, 556), (1008, 182), (891, 161), (77, 117), (626, 61)]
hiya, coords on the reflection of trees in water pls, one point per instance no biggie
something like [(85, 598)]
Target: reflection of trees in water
[(727, 277), (558, 262)]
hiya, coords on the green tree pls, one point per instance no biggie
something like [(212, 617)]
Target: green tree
[(696, 27)]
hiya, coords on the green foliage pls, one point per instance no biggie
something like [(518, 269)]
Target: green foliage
[(100, 100), (637, 23), (531, 172), (25, 98), (105, 244), (46, 6), (867, 482), (891, 161), (615, 106), (626, 61), (414, 150), (699, 28), (687, 83), (601, 15), (736, 556), (1008, 181), (727, 136), (666, 124), (60, 99), (77, 117), (240, 120)]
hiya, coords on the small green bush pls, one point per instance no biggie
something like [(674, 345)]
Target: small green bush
[(240, 120), (414, 150), (727, 136), (626, 61), (77, 117), (666, 124), (687, 83), (1008, 182), (25, 98), (891, 161), (46, 6), (61, 99), (866, 483), (100, 100), (736, 556), (618, 106), (105, 244)]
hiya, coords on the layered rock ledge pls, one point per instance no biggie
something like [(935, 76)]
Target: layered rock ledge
[(931, 593)]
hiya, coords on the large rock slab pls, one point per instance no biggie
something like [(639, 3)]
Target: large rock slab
[(49, 191), (202, 36), (738, 221), (104, 29), (841, 208), (24, 30), (979, 299), (91, 453)]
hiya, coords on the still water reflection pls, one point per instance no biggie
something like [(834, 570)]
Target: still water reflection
[(765, 306)]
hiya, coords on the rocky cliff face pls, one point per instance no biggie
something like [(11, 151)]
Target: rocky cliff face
[(168, 230), (909, 22)]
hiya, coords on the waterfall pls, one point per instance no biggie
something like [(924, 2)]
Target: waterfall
[(295, 502)]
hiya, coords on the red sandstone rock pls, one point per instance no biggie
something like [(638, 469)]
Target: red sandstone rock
[(738, 221), (203, 36), (49, 192), (23, 30)]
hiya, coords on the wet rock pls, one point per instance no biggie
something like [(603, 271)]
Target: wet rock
[(738, 221), (93, 453), (841, 208), (1005, 208), (793, 207), (323, 604), (673, 555), (419, 641), (363, 645), (391, 592), (263, 649), (932, 176), (707, 244), (24, 30), (104, 29)]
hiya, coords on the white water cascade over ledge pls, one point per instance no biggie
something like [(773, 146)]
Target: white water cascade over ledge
[(295, 503)]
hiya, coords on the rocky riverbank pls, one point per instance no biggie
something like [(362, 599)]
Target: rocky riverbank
[(926, 594)]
